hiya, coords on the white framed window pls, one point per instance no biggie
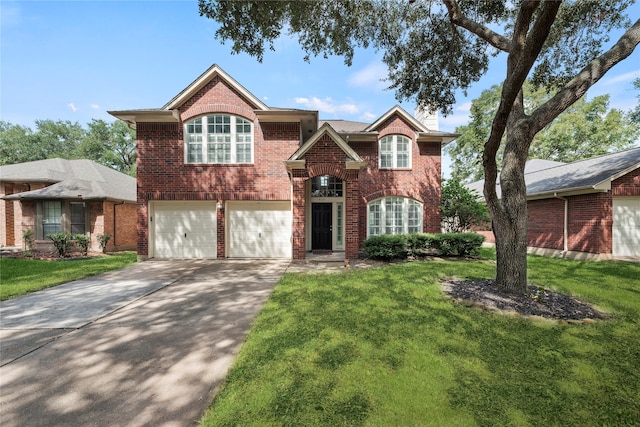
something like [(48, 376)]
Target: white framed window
[(219, 139), (394, 215), (394, 152)]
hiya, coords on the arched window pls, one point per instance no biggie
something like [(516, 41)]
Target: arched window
[(394, 152), (219, 138), (394, 215)]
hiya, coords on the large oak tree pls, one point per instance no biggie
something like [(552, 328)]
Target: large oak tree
[(585, 129), (433, 48)]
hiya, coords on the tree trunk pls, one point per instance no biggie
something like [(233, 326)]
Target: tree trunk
[(509, 212)]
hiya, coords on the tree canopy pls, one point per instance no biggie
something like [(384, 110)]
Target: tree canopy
[(111, 144), (434, 48), (585, 129), (461, 209)]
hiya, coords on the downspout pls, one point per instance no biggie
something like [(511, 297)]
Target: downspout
[(566, 221)]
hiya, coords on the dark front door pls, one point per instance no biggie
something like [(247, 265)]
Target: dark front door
[(321, 226)]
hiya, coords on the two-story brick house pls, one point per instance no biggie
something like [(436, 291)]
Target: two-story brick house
[(221, 174)]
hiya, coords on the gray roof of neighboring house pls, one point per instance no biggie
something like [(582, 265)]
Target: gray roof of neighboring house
[(71, 179), (583, 176)]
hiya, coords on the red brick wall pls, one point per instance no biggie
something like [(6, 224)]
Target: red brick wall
[(422, 182), (163, 175), (590, 223), (627, 185), (546, 223)]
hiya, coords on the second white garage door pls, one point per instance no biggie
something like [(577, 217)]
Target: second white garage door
[(626, 226), (184, 229), (259, 229)]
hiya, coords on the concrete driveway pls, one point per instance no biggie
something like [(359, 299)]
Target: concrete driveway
[(145, 345)]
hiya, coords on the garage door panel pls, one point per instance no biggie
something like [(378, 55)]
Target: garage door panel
[(626, 227), (259, 230), (185, 230)]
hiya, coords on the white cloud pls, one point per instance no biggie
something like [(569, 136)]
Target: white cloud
[(373, 75), (465, 108), (327, 105), (72, 106), (95, 106), (10, 16), (622, 78), (368, 117)]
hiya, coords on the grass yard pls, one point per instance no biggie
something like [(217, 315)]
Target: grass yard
[(20, 276), (385, 347)]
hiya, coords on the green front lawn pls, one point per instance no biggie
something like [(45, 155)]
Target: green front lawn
[(386, 347), (20, 276)]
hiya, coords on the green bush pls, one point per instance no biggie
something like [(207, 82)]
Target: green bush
[(457, 244), (389, 246), (386, 246), (82, 240), (102, 240), (62, 242), (29, 240)]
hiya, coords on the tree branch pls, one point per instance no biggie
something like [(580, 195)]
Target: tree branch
[(586, 78), (457, 18), (526, 45)]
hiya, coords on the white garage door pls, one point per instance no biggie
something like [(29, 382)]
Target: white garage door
[(184, 229), (259, 229), (626, 227)]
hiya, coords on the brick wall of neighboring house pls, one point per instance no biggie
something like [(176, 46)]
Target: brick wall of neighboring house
[(546, 223), (163, 175), (421, 182), (590, 223), (627, 185), (119, 221), (6, 213)]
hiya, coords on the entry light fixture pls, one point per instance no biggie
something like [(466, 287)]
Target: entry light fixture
[(219, 204)]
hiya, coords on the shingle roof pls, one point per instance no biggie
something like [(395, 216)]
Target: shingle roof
[(72, 179), (594, 174), (345, 126)]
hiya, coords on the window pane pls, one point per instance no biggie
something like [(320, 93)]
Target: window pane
[(195, 126), (393, 216), (194, 153), (243, 153), (51, 217), (219, 153), (386, 152), (374, 218), (402, 155), (339, 227), (414, 217)]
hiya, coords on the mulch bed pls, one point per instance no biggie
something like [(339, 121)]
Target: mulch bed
[(539, 302)]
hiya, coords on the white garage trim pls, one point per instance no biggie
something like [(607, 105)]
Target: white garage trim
[(258, 229), (626, 226), (182, 230)]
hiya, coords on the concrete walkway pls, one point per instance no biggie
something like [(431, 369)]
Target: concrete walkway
[(147, 345)]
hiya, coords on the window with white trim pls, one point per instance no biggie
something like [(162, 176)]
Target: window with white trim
[(394, 152), (219, 139), (394, 215)]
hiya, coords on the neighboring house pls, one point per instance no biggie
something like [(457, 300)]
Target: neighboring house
[(588, 208), (221, 174), (72, 196)]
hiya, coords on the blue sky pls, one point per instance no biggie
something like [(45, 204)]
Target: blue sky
[(74, 60)]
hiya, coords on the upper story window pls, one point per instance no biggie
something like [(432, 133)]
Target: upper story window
[(394, 215), (395, 152), (219, 138)]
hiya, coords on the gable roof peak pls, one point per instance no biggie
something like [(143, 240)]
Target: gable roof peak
[(398, 110), (206, 77)]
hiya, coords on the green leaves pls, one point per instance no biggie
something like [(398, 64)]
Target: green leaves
[(111, 144)]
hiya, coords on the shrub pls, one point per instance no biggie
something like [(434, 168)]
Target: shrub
[(82, 240), (102, 240), (419, 243), (62, 242), (460, 244), (28, 240), (386, 247)]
